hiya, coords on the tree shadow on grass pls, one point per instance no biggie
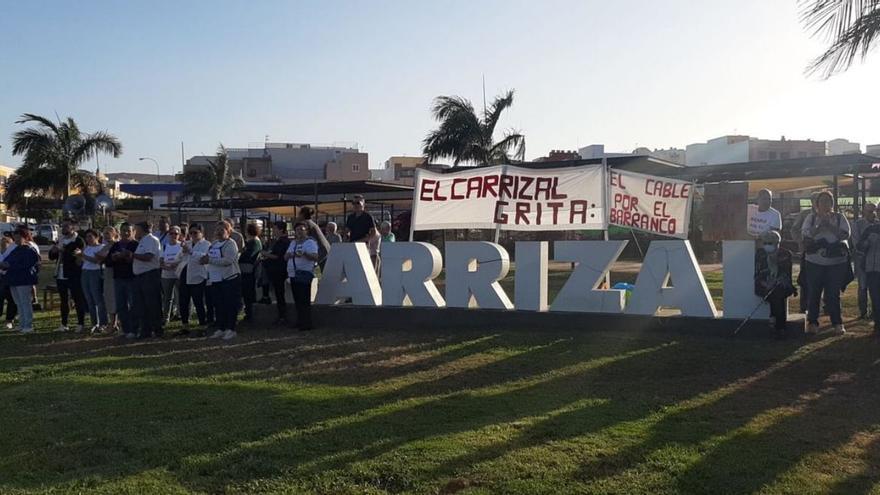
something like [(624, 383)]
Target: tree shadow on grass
[(211, 435), (749, 435), (622, 387)]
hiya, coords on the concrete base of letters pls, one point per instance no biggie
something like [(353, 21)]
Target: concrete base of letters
[(450, 319)]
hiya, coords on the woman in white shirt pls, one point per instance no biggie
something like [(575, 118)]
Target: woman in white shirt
[(302, 256), (826, 251), (225, 278), (172, 254), (193, 277), (93, 280), (110, 237)]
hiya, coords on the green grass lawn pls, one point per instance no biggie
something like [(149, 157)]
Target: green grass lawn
[(495, 411)]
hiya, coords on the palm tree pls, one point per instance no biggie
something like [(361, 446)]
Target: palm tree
[(465, 137), (215, 181), (52, 154), (851, 26)]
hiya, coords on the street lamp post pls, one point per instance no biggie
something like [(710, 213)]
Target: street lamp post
[(158, 178)]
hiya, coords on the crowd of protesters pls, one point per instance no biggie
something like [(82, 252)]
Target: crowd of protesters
[(834, 253), (134, 280)]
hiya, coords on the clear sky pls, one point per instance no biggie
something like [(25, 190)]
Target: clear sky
[(655, 73)]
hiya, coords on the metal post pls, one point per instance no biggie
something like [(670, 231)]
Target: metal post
[(857, 208), (834, 191)]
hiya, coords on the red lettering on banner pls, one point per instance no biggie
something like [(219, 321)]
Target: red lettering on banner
[(578, 207), (666, 189), (457, 180), (489, 184), (425, 190), (555, 207), (506, 184), (475, 185), (437, 196), (543, 185), (500, 216), (537, 213), (616, 180), (625, 201), (522, 212), (527, 181), (554, 194), (660, 225), (660, 209)]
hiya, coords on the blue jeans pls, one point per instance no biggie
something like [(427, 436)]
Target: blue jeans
[(21, 294), (827, 279), (123, 288), (93, 290)]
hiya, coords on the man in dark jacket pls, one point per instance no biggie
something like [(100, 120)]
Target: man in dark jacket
[(68, 274), (276, 267)]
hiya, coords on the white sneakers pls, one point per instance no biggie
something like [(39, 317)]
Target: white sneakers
[(9, 325), (62, 328), (223, 334), (813, 329)]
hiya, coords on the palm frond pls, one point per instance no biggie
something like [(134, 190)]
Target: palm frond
[(29, 139), (493, 113), (92, 144), (86, 183), (27, 118), (514, 141), (851, 26)]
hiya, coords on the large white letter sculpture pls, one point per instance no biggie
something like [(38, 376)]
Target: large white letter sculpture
[(592, 260), (739, 281), (675, 260), (408, 271), (473, 270), (349, 274), (530, 285)]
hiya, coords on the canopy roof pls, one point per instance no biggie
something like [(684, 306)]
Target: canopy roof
[(239, 203), (330, 188), (820, 166)]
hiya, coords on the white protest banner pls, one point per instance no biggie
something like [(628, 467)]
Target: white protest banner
[(511, 198), (651, 204)]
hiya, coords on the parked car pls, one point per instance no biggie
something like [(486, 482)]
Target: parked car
[(46, 233)]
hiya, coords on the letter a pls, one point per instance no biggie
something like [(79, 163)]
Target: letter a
[(408, 271), (675, 260), (349, 274), (473, 270)]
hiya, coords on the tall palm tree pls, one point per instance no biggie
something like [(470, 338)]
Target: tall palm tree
[(52, 154), (851, 26), (215, 181), (464, 136)]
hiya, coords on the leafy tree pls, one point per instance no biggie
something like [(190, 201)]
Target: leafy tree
[(52, 154), (464, 136), (851, 27), (214, 181)]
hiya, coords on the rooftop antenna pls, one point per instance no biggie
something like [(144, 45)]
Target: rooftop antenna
[(484, 96)]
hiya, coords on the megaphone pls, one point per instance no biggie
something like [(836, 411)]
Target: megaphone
[(74, 205), (104, 203)]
